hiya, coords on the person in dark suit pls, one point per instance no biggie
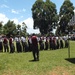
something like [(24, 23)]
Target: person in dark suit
[(35, 47)]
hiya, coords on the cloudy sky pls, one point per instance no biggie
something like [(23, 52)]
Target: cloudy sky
[(20, 11)]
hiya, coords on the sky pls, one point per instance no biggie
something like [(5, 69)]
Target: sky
[(20, 11)]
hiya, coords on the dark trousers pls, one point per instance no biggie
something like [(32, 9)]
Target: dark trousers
[(12, 48), (18, 46), (6, 48), (42, 46), (35, 52), (1, 47), (30, 47), (23, 46), (46, 46)]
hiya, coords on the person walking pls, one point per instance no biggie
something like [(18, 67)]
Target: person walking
[(35, 50)]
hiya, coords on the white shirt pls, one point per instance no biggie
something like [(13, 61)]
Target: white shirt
[(23, 39)]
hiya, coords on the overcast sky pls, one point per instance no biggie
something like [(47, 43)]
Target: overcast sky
[(20, 11)]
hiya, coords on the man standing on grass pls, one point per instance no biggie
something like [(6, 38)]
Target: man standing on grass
[(5, 43), (1, 46), (11, 44), (23, 40), (35, 48)]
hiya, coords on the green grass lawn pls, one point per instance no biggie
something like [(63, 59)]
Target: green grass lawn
[(52, 62)]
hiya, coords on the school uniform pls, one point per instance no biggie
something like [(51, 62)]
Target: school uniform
[(35, 48), (11, 44), (5, 43), (18, 44), (61, 42), (46, 44), (30, 44), (1, 46), (23, 40), (41, 44)]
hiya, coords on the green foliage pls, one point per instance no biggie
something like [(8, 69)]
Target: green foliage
[(44, 15), (65, 14), (21, 29), (9, 28), (24, 29), (18, 29), (1, 27)]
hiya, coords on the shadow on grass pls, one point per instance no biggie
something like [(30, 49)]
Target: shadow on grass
[(33, 60), (72, 60)]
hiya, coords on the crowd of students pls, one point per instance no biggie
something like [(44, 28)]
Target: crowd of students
[(24, 44), (53, 42)]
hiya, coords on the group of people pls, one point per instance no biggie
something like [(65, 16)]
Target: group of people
[(21, 45), (53, 42), (32, 43), (58, 42)]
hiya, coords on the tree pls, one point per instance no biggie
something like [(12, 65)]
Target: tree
[(51, 15), (1, 27), (9, 28), (21, 29), (65, 14), (37, 10), (44, 15), (18, 29), (24, 29)]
